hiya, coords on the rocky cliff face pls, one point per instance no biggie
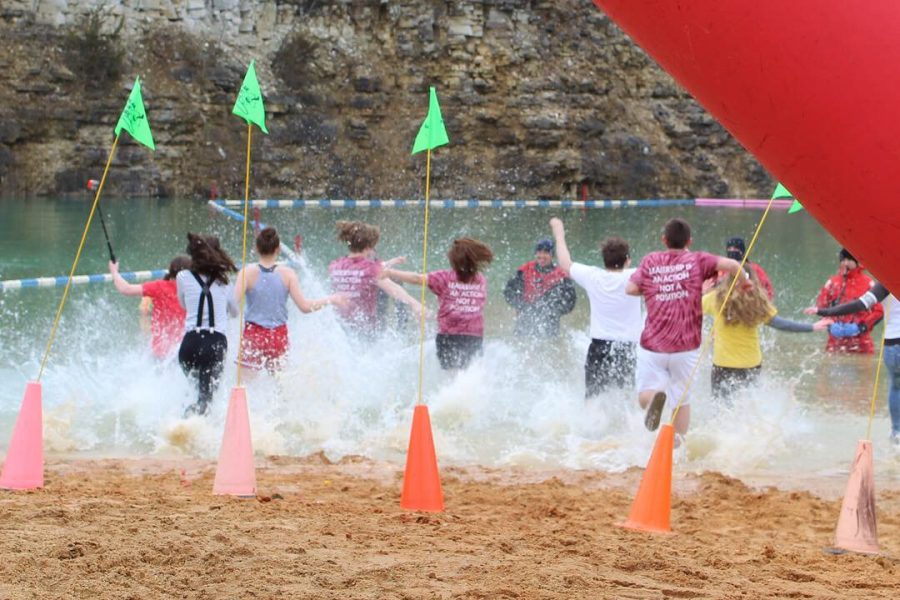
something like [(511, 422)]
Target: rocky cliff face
[(541, 98)]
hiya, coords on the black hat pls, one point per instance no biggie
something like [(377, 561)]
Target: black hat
[(544, 246), (739, 248), (844, 254)]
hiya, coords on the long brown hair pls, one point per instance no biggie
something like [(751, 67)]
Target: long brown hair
[(208, 257), (358, 236), (745, 307), (179, 263), (467, 257)]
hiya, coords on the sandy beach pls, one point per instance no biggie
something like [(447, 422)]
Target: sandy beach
[(151, 528)]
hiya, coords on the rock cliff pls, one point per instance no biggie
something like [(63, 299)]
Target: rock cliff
[(541, 98)]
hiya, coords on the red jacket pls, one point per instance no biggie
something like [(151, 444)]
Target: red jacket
[(763, 279), (844, 288), (538, 283)]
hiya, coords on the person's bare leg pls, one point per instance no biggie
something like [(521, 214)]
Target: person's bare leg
[(645, 397), (683, 419)]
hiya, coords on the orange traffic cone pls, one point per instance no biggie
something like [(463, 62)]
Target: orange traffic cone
[(653, 503), (24, 466), (856, 530), (422, 480), (235, 473)]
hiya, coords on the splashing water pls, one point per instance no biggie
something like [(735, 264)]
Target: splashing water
[(520, 405)]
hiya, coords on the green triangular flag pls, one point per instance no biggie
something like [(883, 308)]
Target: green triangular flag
[(432, 133), (782, 192), (134, 118), (249, 103)]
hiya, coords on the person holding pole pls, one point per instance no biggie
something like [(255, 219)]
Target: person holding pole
[(167, 315), (204, 293), (267, 286)]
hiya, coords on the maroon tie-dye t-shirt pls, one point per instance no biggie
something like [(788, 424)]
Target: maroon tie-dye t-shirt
[(671, 283)]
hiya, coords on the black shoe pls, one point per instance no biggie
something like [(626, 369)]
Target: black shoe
[(654, 411)]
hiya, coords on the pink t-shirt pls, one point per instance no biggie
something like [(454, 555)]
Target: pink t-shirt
[(167, 317), (355, 277), (461, 309), (671, 283)]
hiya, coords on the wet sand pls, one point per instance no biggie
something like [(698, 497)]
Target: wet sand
[(150, 528)]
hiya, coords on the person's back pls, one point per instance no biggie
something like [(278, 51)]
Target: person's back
[(166, 317), (461, 304), (671, 283), (615, 316), (207, 298), (355, 276), (267, 299)]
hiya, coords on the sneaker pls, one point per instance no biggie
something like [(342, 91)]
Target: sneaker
[(654, 411), (895, 442)]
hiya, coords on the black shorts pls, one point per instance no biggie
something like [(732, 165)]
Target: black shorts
[(727, 380), (609, 364), (456, 351)]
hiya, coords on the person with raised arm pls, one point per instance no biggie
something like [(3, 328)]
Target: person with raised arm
[(166, 315), (616, 320)]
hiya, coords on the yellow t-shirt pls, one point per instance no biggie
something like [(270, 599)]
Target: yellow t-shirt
[(735, 346)]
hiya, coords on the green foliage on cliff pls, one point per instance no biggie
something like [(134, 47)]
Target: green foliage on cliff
[(94, 50)]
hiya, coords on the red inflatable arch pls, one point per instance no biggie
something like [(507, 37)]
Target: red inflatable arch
[(810, 87)]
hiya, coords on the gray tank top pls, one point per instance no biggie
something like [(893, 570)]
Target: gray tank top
[(267, 300)]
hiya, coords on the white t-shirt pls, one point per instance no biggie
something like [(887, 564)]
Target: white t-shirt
[(615, 316), (224, 304), (892, 323)]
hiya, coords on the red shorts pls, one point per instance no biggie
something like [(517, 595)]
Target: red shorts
[(262, 347)]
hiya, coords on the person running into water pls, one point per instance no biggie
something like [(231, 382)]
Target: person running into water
[(735, 250), (461, 292), (204, 293), (358, 277), (878, 293), (166, 315), (671, 282), (541, 293), (737, 358), (851, 332), (616, 320), (267, 286)]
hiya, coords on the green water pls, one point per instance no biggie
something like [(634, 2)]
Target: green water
[(824, 397), (39, 237)]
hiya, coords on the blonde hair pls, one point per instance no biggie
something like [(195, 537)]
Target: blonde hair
[(745, 307)]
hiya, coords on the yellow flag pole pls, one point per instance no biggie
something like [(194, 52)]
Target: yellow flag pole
[(87, 226), (424, 278), (887, 309), (242, 282)]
